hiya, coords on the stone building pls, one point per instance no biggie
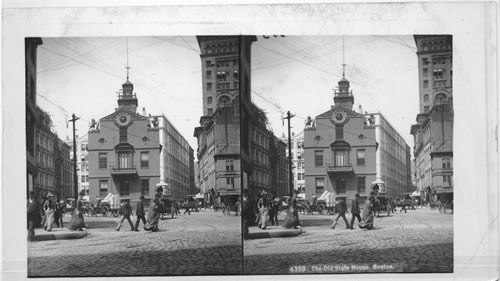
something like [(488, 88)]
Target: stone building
[(433, 132), (218, 135), (264, 163), (63, 169), (82, 161), (298, 171), (346, 152), (129, 154), (30, 57), (45, 141)]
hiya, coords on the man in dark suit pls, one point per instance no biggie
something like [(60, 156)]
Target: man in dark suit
[(355, 210), (33, 215), (341, 208), (140, 213), (126, 211)]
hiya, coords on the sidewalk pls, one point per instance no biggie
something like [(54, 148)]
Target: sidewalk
[(57, 234), (272, 232)]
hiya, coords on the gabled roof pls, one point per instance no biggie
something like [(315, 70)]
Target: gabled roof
[(349, 112), (113, 115)]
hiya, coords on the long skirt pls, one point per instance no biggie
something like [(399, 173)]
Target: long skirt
[(76, 222), (292, 218), (264, 216), (367, 221), (49, 219), (152, 223)]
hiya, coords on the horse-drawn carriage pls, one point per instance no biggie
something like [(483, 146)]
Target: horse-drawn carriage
[(382, 204)]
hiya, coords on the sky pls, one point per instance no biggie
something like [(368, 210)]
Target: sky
[(82, 75), (299, 73), (296, 73)]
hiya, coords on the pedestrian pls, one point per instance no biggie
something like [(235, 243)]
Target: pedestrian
[(275, 205), (139, 212), (59, 213), (126, 211), (263, 205), (48, 208), (153, 215), (44, 199), (368, 216), (77, 222), (341, 208), (34, 215), (246, 213), (257, 217), (355, 210), (292, 217)]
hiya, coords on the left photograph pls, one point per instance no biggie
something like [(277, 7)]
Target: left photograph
[(132, 148)]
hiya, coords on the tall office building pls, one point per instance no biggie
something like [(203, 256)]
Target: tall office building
[(433, 132)]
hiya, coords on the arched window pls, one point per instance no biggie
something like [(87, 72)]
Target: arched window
[(426, 98), (224, 101), (209, 100), (440, 98)]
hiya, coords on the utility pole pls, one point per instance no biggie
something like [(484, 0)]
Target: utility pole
[(75, 176), (290, 173)]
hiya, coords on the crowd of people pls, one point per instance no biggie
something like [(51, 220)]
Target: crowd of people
[(49, 212), (266, 210)]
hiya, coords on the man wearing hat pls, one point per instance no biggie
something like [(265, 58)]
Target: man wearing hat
[(140, 213), (355, 210)]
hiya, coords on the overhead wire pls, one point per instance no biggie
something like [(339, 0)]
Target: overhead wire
[(87, 120)]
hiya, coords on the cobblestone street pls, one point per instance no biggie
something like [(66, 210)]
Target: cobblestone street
[(200, 243), (417, 241)]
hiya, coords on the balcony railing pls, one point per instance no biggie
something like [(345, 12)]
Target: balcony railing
[(339, 168), (123, 171)]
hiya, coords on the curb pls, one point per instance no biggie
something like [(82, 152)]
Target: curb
[(274, 234), (59, 236)]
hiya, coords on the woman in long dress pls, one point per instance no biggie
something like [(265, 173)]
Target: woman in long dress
[(77, 222), (367, 215), (153, 218), (292, 217), (48, 208)]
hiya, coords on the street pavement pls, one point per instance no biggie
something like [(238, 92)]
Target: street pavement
[(417, 241), (197, 244)]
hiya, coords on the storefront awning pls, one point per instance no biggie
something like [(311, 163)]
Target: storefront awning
[(415, 193)]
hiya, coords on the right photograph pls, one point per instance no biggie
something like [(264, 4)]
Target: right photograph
[(347, 154)]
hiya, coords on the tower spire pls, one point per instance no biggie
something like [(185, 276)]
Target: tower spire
[(127, 67), (343, 96), (343, 58)]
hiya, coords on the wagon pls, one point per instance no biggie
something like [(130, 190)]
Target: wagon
[(326, 203), (108, 206)]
